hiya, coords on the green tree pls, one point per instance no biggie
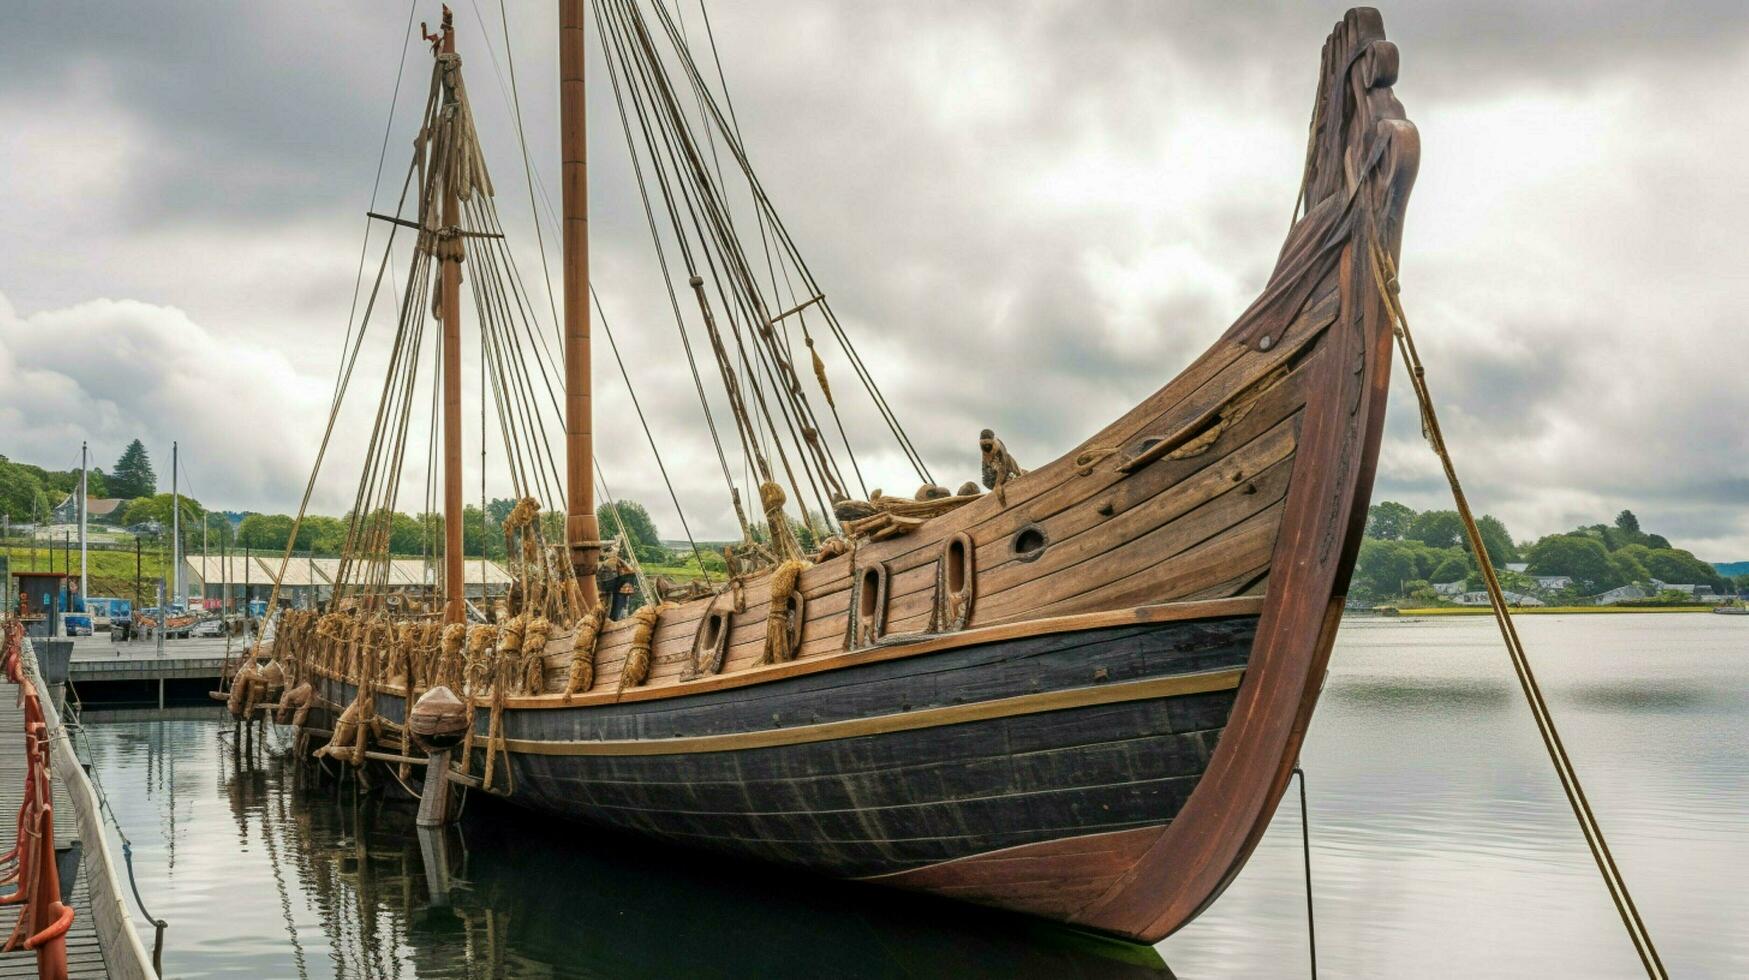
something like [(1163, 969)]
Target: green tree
[(21, 493), (499, 508), (409, 535), (132, 474), (646, 541), (552, 524), (264, 531), (60, 482), (158, 508), (1678, 567), (96, 484), (473, 530), (1628, 522), (1388, 520), (481, 535), (1451, 570), (322, 535), (1629, 564), (1581, 557), (1437, 529), (1383, 566), (1496, 539)]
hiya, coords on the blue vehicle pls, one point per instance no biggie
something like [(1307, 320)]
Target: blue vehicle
[(107, 612)]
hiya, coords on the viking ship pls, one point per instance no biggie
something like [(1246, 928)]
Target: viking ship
[(1076, 692)]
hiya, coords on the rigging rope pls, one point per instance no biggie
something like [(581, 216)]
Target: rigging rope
[(375, 186), (529, 176), (772, 412), (636, 405), (1384, 277), (792, 253)]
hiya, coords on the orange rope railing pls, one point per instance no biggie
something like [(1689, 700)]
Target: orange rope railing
[(43, 921)]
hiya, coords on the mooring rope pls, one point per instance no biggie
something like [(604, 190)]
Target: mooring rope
[(1306, 856), (74, 726), (1384, 275)]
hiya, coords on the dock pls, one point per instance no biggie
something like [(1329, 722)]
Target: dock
[(186, 668), (101, 942)]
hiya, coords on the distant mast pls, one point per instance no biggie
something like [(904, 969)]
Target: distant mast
[(582, 531), (84, 505), (175, 533)]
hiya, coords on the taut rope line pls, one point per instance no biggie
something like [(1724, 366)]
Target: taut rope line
[(1384, 275)]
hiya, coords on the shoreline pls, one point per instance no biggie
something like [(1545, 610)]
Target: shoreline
[(1546, 610)]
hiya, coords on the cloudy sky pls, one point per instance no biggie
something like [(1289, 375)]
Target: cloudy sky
[(1029, 216)]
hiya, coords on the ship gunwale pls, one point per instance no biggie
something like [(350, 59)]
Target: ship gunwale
[(1161, 612)]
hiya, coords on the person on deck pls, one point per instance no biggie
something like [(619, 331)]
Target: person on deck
[(617, 582)]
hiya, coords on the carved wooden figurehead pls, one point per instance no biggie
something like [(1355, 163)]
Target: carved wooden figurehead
[(1361, 159)]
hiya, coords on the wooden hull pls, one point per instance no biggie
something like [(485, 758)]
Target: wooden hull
[(899, 765), (1080, 697)]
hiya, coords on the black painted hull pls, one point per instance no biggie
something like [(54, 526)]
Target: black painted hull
[(874, 804)]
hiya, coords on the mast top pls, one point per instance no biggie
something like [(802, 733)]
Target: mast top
[(444, 40)]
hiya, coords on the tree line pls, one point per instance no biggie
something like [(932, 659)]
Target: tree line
[(415, 535), (1405, 552), (29, 493)]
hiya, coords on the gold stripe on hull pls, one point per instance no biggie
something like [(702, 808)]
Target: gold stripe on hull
[(1201, 682)]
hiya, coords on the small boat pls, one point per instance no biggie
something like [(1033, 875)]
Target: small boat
[(1077, 692), (173, 622), (1732, 609)]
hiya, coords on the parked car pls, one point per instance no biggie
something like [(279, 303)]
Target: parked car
[(208, 627)]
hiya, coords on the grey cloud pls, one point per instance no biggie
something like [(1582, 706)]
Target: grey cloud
[(956, 173)]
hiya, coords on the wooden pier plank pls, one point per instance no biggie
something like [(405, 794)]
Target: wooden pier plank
[(84, 951)]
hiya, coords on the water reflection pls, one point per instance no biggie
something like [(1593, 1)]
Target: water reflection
[(1454, 696), (1641, 696), (281, 872)]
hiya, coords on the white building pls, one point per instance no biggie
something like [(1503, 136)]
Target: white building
[(311, 580), (1481, 599), (1621, 594)]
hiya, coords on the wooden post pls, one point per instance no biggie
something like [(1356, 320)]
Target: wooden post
[(434, 795), (450, 254), (582, 531), (434, 854)]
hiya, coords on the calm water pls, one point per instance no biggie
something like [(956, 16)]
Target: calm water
[(1441, 845)]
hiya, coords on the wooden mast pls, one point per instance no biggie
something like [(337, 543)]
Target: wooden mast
[(449, 300), (582, 532)]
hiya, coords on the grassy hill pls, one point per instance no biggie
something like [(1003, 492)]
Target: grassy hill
[(111, 572)]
